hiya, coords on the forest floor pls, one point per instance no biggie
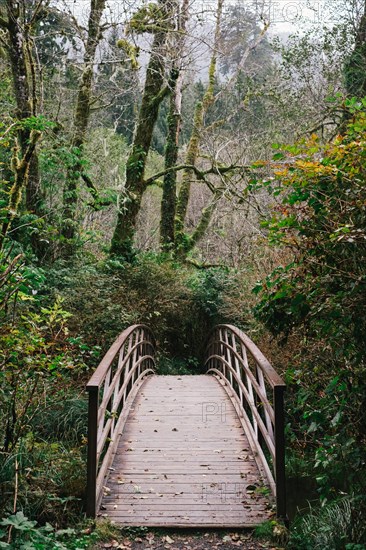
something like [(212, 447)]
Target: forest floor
[(188, 541)]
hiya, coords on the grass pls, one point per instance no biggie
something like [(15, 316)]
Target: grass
[(334, 526)]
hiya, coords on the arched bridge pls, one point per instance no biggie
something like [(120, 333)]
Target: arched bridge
[(186, 451)]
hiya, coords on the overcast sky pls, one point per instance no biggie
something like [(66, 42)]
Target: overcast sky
[(284, 15)]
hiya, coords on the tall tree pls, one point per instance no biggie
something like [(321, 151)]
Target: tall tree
[(182, 243), (185, 242), (18, 19), (168, 203), (156, 19), (355, 66), (81, 122)]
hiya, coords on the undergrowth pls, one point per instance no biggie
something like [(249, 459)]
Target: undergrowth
[(338, 525)]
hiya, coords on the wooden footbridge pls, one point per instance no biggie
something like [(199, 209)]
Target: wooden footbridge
[(186, 451)]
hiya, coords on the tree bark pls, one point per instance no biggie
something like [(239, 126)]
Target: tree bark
[(182, 245), (80, 125), (168, 203), (22, 67), (21, 171), (154, 93), (355, 68)]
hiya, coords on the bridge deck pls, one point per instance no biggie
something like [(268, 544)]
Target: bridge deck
[(183, 460)]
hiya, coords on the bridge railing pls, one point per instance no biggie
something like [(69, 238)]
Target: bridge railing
[(111, 390), (257, 392)]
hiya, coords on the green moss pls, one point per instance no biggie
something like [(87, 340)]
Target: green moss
[(131, 51)]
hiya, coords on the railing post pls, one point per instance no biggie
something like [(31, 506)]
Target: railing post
[(91, 484), (279, 429)]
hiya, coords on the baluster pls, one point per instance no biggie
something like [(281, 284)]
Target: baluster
[(121, 357), (117, 387), (221, 351), (227, 355), (249, 386), (218, 351), (142, 347), (106, 385), (213, 350), (267, 418), (135, 355), (237, 364), (127, 367)]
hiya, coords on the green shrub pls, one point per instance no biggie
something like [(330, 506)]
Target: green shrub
[(50, 480), (334, 526), (63, 418), (26, 534)]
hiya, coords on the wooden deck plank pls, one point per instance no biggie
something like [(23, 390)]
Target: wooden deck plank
[(183, 460)]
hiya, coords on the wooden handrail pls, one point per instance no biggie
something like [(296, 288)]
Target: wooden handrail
[(112, 389), (257, 392)]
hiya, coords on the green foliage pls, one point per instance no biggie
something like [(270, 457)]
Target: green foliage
[(180, 303), (176, 365), (271, 530), (39, 365), (39, 123), (335, 526), (28, 535), (210, 287), (322, 218), (64, 420), (264, 530), (51, 479), (319, 297)]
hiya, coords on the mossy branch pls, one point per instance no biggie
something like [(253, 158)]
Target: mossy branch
[(200, 174), (204, 222), (97, 203), (131, 51)]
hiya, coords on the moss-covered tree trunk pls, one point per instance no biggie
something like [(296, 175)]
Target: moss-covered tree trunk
[(355, 67), (80, 125), (183, 244), (18, 19), (153, 95), (21, 170), (168, 203), (19, 49)]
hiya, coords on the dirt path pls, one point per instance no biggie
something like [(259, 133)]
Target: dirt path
[(185, 541)]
